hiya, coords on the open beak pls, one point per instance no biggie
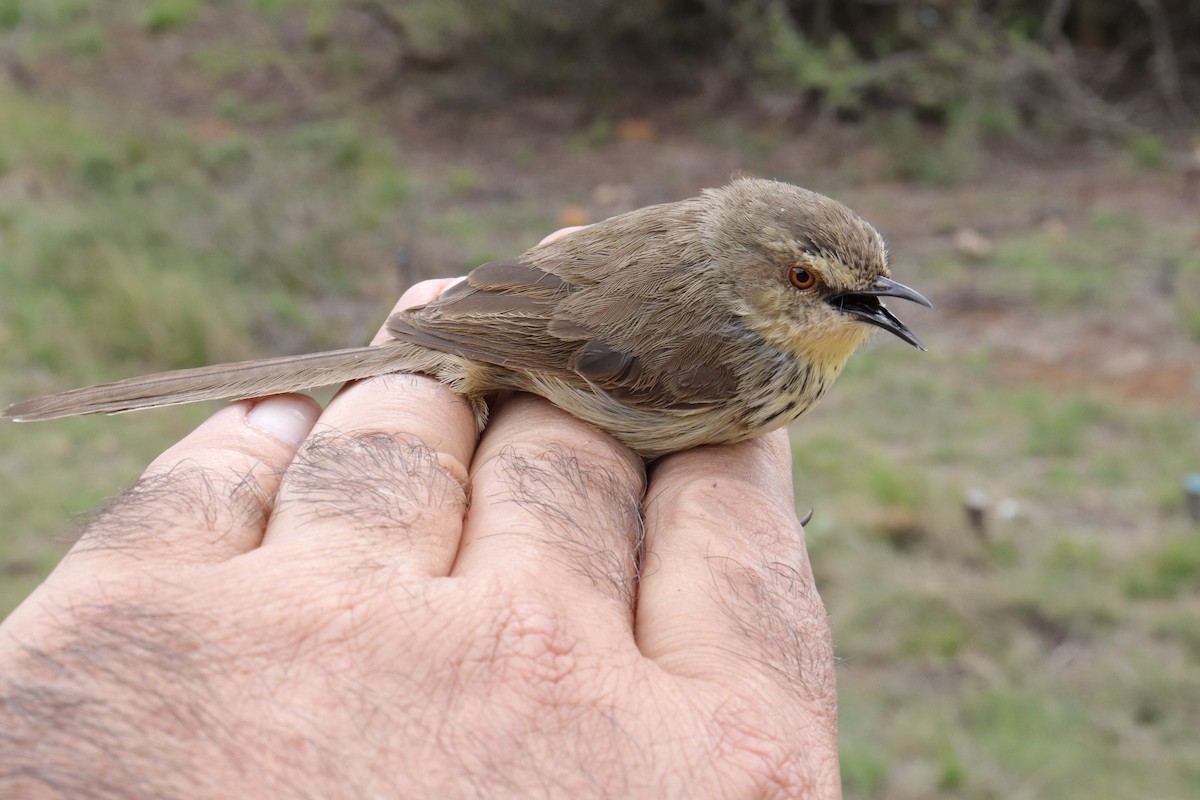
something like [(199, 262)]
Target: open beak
[(866, 305)]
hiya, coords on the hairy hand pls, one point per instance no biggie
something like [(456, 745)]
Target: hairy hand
[(368, 602)]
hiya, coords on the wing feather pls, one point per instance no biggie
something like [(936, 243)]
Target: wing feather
[(513, 314)]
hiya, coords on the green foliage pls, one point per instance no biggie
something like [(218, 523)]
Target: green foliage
[(1058, 267), (1148, 151), (978, 69), (338, 146), (1015, 726), (1186, 268), (952, 773), (864, 771), (86, 40), (931, 154), (10, 14), (462, 180), (47, 13), (600, 132), (167, 15), (1075, 555), (1058, 427), (1003, 553), (97, 167), (274, 6), (1171, 568), (941, 634), (786, 59), (935, 82), (895, 487), (126, 262)]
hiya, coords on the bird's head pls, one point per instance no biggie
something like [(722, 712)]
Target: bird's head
[(811, 273)]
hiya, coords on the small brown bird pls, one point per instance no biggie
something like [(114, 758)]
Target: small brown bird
[(708, 320)]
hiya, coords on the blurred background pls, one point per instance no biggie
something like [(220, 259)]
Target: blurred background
[(1001, 532)]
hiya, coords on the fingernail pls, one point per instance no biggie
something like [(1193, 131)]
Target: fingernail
[(288, 418)]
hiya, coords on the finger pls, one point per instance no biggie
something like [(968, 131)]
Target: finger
[(384, 470), (554, 508), (727, 588), (561, 232), (416, 295), (205, 499)]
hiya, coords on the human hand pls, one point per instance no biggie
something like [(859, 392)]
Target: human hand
[(293, 603)]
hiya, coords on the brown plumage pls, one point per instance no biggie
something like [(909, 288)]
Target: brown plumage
[(708, 320)]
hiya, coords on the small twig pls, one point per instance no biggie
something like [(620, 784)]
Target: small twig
[(1052, 23), (406, 58), (1087, 107), (1166, 65)]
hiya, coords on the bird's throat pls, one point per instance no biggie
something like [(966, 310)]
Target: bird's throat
[(831, 351)]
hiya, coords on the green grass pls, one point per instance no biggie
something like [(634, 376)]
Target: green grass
[(1186, 268), (177, 251), (125, 249), (163, 16), (1170, 568), (57, 472), (983, 668)]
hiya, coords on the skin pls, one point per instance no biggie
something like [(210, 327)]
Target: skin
[(296, 603)]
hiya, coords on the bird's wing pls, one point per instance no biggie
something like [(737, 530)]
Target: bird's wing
[(511, 314), (498, 315)]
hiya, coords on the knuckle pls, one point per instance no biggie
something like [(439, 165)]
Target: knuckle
[(201, 497), (761, 581), (536, 430), (743, 511), (375, 480), (591, 510), (578, 487)]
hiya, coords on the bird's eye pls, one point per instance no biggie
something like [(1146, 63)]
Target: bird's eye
[(802, 278)]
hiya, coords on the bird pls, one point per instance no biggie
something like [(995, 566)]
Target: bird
[(708, 320)]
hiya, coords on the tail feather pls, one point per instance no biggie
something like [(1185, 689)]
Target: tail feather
[(217, 382)]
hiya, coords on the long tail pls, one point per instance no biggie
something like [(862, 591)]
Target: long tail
[(220, 381)]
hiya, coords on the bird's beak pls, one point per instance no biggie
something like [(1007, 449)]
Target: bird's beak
[(865, 305)]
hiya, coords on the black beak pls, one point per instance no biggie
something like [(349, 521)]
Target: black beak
[(865, 305)]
